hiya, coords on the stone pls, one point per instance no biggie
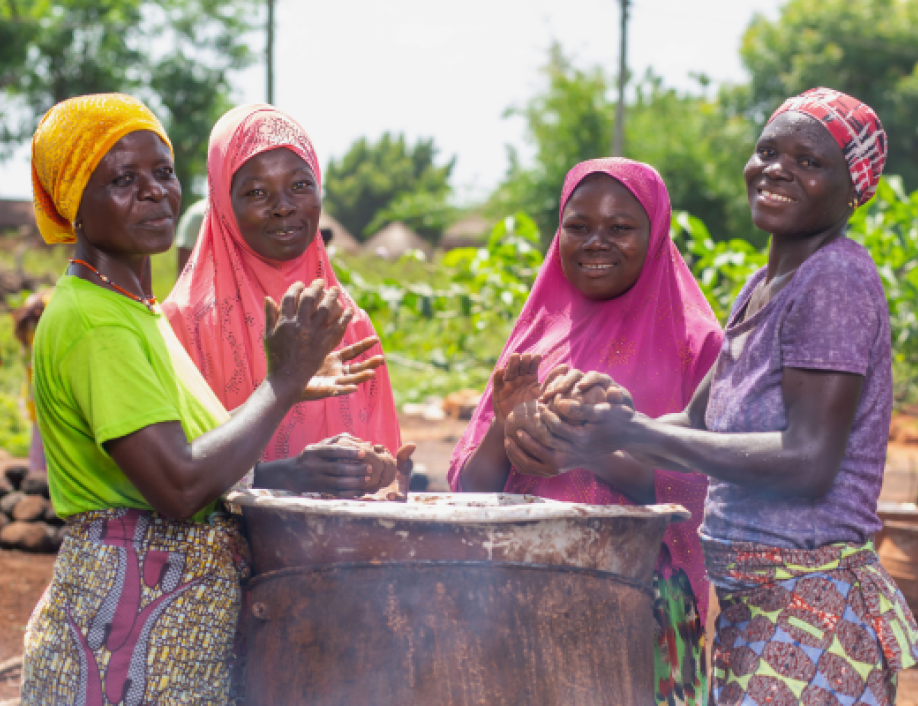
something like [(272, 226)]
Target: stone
[(5, 486), (8, 502), (56, 536), (51, 516), (15, 470), (27, 536), (30, 509), (4, 520), (35, 483)]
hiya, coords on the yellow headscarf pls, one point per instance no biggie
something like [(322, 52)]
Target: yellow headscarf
[(68, 145)]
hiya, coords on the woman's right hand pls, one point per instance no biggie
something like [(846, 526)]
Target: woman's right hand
[(308, 325), (516, 383), (327, 467)]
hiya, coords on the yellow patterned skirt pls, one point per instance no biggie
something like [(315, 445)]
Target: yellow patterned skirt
[(141, 610)]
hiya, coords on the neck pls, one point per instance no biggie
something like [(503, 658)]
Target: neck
[(787, 252), (129, 272)]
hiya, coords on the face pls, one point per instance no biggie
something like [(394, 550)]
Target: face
[(604, 237), (277, 204), (797, 179), (131, 204)]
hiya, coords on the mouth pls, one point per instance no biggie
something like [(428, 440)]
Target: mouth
[(158, 220), (597, 269), (286, 233), (773, 198)]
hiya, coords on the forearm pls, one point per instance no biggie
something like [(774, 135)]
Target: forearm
[(487, 468), (767, 461), (179, 478)]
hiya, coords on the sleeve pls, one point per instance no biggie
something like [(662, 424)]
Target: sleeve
[(832, 321), (114, 385)]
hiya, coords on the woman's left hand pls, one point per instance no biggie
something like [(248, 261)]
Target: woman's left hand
[(336, 378)]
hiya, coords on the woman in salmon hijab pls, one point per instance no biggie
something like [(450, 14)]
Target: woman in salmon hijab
[(613, 297), (258, 236)]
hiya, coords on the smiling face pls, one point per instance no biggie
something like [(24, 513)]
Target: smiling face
[(131, 203), (797, 179), (604, 237), (276, 200)]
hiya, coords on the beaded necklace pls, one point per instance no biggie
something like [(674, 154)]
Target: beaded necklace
[(146, 301)]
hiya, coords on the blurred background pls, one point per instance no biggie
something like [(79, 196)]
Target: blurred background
[(445, 132)]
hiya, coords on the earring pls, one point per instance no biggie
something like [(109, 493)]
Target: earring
[(78, 225), (853, 204)]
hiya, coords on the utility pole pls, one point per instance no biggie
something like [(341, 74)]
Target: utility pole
[(618, 147), (269, 54)]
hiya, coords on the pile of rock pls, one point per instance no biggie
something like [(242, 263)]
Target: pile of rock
[(27, 519)]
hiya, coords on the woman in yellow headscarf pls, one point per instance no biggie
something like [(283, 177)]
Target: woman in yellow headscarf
[(144, 601)]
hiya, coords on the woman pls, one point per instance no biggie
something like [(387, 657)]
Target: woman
[(791, 425), (613, 296), (259, 236), (144, 600)]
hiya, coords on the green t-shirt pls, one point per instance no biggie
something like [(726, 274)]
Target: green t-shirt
[(105, 366)]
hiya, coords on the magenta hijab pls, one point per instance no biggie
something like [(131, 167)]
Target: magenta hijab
[(658, 340), (217, 306)]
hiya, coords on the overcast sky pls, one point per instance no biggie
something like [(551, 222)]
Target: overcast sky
[(354, 68)]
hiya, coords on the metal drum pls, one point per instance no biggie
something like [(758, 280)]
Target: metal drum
[(450, 599)]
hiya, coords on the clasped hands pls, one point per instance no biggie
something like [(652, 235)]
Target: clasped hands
[(572, 420)]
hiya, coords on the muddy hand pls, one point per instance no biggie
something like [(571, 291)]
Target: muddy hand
[(338, 376)]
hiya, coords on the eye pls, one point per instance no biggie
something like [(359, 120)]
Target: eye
[(256, 193), (302, 184), (575, 227), (124, 180), (766, 152), (620, 228), (167, 172), (809, 162)]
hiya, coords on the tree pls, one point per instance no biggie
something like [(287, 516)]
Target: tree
[(176, 55), (698, 148), (868, 49), (376, 183)]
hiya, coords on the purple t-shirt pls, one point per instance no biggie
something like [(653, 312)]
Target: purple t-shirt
[(831, 316)]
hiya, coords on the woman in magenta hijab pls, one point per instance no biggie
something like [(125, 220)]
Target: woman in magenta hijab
[(613, 296)]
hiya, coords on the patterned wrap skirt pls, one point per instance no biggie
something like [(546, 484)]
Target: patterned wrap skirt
[(678, 651), (140, 610), (824, 626)]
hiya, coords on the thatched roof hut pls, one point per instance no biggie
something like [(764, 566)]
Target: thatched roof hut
[(342, 240), (395, 240), (470, 231), (18, 216)]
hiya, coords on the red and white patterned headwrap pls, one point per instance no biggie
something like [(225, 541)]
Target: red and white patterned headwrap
[(856, 129)]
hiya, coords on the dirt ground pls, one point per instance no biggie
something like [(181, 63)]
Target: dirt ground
[(23, 577)]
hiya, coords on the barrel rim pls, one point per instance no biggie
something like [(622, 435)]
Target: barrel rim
[(532, 509)]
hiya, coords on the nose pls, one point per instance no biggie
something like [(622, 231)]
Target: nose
[(283, 207), (151, 189), (775, 170), (595, 241)]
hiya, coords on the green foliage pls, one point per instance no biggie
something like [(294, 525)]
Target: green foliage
[(174, 54), (888, 228), (720, 268), (697, 147), (868, 49), (453, 332), (376, 183)]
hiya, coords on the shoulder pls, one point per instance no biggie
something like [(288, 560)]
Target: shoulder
[(746, 290), (843, 267)]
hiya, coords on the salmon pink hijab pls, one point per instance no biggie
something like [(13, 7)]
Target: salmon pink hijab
[(657, 340), (217, 306)]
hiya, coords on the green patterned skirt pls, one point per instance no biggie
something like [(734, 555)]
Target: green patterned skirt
[(678, 655)]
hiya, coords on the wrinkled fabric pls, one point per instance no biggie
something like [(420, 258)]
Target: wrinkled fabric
[(657, 340), (217, 306), (831, 316), (821, 626), (68, 145), (856, 129)]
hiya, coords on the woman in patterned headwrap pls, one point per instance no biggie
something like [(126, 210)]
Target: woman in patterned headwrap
[(258, 236), (143, 604), (613, 297), (791, 426)]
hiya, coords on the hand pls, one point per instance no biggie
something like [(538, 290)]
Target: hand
[(300, 333), (397, 489), (515, 383), (524, 423), (329, 468), (335, 378), (594, 429)]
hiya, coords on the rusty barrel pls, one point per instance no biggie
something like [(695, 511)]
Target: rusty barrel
[(449, 599)]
